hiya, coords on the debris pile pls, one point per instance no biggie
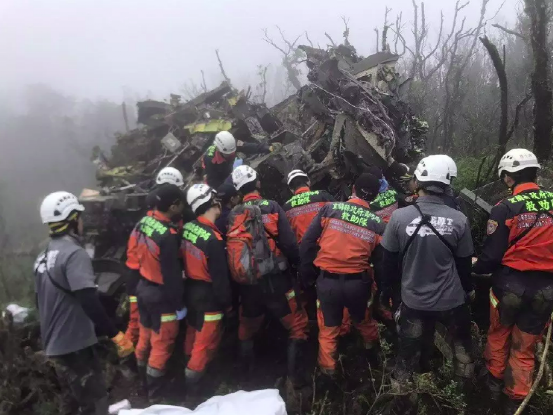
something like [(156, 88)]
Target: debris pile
[(348, 117)]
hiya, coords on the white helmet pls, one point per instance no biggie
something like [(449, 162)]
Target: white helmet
[(516, 160), (450, 164), (198, 195), (170, 175), (243, 175), (57, 207), (296, 173), (225, 142), (433, 169)]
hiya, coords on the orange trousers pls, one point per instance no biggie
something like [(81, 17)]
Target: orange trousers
[(133, 327), (155, 349), (328, 337), (509, 354), (293, 318), (201, 345)]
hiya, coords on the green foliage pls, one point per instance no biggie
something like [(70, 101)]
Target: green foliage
[(468, 172)]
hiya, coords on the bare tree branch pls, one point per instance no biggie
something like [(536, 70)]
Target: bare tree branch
[(385, 46), (510, 32), (331, 40), (309, 40), (499, 66), (398, 37), (227, 79), (204, 86), (516, 119), (272, 43), (346, 31), (377, 38), (290, 58)]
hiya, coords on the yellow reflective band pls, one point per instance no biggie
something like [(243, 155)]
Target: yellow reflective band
[(493, 299), (290, 294), (318, 304), (165, 318), (213, 317), (132, 299)]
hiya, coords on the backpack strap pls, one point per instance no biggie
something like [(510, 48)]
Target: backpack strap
[(256, 203), (54, 283), (425, 220)]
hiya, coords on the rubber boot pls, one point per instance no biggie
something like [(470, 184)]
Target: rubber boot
[(247, 359), (143, 384), (295, 356), (372, 353), (156, 388), (511, 406), (192, 386), (495, 386)]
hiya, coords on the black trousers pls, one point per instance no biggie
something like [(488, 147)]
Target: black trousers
[(81, 372), (338, 291), (268, 295), (416, 337)]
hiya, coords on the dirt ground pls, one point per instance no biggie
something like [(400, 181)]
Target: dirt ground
[(358, 389)]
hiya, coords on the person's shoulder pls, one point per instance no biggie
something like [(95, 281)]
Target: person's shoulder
[(454, 214), (66, 245), (404, 212)]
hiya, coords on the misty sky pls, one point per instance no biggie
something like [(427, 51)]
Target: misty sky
[(96, 48)]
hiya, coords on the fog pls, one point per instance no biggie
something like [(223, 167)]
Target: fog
[(66, 66), (98, 48)]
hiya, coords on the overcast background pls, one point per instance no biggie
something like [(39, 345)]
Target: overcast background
[(110, 48), (67, 65)]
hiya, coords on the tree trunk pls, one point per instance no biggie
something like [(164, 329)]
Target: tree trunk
[(539, 14), (499, 66)]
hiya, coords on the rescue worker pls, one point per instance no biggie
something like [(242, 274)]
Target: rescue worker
[(386, 202), (274, 293), (518, 251), (167, 175), (69, 306), (305, 204), (160, 289), (218, 160), (342, 242), (449, 195), (433, 245), (300, 210), (228, 196), (208, 294)]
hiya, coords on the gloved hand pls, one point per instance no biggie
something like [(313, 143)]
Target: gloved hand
[(124, 345), (181, 314), (275, 147)]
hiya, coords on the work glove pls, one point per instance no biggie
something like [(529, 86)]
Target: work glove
[(275, 147), (181, 314), (124, 345)]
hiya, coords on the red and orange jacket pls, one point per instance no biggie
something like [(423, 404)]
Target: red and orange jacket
[(520, 232), (280, 235), (385, 204), (341, 239), (155, 245), (205, 259), (303, 207)]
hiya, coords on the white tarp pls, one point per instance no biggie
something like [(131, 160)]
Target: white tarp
[(262, 402)]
